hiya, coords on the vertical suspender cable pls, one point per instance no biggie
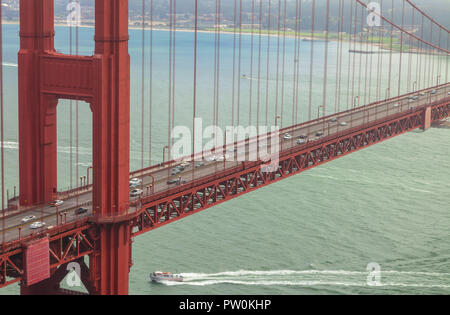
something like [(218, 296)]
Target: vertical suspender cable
[(77, 112), (234, 63), (401, 52), (324, 100), (337, 57), (143, 85), (360, 57), (297, 65), (268, 62), (251, 63), (239, 65), (284, 63), (2, 127), (174, 54), (194, 102), (258, 98), (70, 117), (390, 53), (311, 60), (150, 151), (341, 36), (294, 78), (170, 84), (278, 59)]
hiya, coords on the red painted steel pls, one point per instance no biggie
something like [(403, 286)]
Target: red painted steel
[(65, 244), (178, 203), (36, 261), (37, 111), (73, 241), (103, 81)]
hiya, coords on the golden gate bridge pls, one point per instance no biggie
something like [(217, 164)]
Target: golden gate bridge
[(99, 238)]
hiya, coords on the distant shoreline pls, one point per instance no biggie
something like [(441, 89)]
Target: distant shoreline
[(248, 33), (186, 30)]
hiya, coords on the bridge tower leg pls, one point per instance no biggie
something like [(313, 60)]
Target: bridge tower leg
[(37, 113), (111, 146), (110, 103)]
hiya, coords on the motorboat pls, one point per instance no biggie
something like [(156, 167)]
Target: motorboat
[(159, 276)]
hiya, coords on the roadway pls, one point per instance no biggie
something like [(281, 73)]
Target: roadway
[(327, 125)]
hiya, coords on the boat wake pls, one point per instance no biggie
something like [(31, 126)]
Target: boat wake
[(313, 278)]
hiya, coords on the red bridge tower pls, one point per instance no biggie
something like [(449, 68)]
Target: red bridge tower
[(103, 81)]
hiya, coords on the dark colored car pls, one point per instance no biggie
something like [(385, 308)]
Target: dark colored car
[(81, 211)]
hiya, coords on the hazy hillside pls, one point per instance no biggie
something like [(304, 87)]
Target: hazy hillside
[(439, 9)]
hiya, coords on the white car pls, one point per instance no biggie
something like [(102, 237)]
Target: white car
[(212, 158), (56, 203), (301, 141), (136, 193), (28, 218), (343, 124), (37, 225), (396, 105), (135, 182), (287, 136)]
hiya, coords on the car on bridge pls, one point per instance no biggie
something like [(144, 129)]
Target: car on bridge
[(175, 171), (81, 210), (56, 203), (134, 182), (28, 218), (136, 193), (319, 133), (287, 136), (178, 181), (199, 164), (212, 158), (37, 225), (343, 124)]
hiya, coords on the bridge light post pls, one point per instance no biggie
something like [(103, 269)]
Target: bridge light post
[(87, 173), (354, 101), (57, 215), (164, 153), (318, 111), (276, 120), (153, 183)]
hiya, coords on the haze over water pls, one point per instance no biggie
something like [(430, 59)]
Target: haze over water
[(312, 233)]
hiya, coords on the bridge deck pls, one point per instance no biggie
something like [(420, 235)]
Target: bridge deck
[(355, 118)]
